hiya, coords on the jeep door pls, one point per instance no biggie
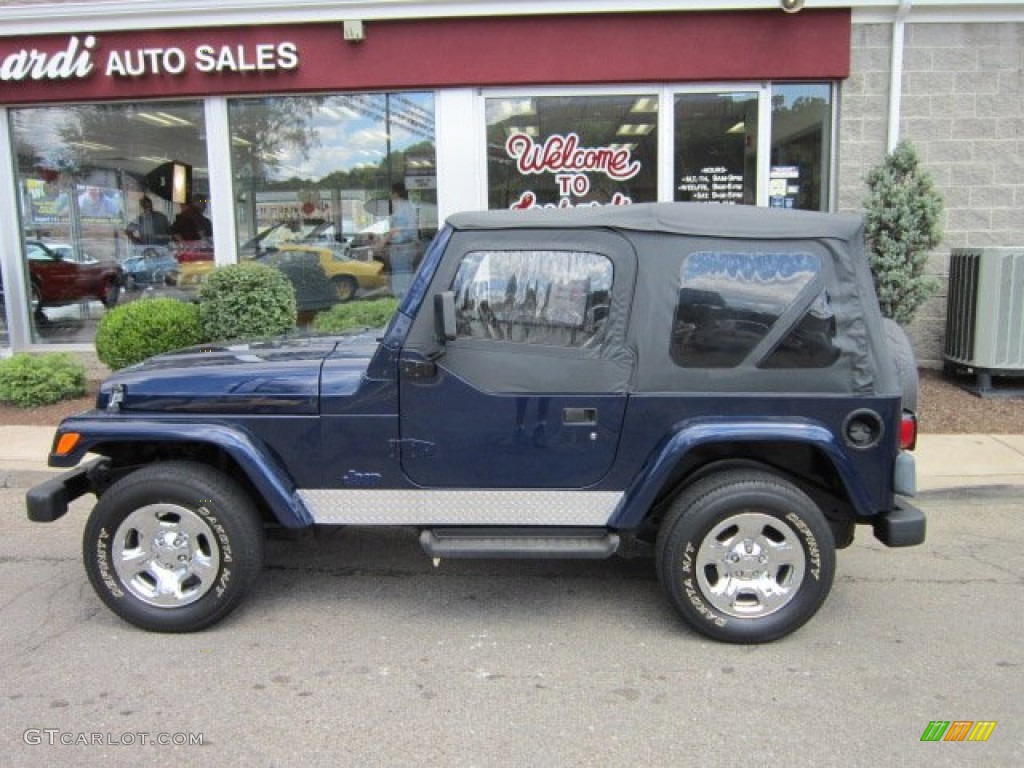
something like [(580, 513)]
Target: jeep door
[(531, 392)]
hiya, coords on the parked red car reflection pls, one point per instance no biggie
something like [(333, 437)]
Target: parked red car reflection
[(59, 275)]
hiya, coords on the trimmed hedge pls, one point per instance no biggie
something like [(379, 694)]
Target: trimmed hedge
[(246, 301), (130, 333), (357, 314), (32, 380)]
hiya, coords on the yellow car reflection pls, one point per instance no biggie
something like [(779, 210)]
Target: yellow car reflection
[(190, 274), (349, 271)]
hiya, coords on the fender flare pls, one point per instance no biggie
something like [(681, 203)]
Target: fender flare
[(260, 465), (643, 492)]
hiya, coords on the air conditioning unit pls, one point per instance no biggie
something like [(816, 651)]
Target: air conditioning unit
[(985, 311)]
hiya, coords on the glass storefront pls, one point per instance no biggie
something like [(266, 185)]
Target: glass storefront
[(114, 200), (716, 147), (801, 155), (81, 176), (322, 182), (340, 190), (746, 145), (568, 151)]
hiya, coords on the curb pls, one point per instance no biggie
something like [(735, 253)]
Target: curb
[(23, 479)]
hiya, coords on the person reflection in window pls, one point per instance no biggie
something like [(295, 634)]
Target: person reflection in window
[(191, 224), (95, 203), (401, 240), (149, 227)]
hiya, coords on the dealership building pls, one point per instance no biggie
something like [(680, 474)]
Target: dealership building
[(291, 123)]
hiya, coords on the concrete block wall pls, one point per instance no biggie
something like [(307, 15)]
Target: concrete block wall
[(963, 108)]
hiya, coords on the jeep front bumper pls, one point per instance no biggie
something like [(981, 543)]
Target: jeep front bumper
[(49, 500)]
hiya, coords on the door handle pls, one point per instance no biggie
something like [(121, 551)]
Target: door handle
[(586, 417)]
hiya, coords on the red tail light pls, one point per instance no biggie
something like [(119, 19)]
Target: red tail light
[(908, 431)]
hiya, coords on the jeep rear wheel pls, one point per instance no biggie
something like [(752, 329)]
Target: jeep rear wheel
[(745, 556), (173, 547)]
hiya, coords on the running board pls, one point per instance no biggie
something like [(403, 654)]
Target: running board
[(583, 543)]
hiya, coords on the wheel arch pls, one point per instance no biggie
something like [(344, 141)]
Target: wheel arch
[(804, 454), (236, 452)]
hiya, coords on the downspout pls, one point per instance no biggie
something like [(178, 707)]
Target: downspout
[(896, 73)]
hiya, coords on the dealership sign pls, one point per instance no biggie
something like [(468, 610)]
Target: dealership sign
[(569, 162), (81, 57)]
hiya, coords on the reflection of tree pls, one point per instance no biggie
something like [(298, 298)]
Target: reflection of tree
[(262, 130), (35, 143), (375, 175), (265, 131), (129, 137)]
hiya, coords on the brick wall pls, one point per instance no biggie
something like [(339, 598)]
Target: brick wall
[(963, 108)]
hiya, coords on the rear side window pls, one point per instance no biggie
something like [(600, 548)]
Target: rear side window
[(729, 302), (553, 298)]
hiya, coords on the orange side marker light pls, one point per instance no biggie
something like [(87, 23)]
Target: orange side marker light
[(67, 442)]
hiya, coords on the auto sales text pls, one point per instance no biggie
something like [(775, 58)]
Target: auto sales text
[(77, 60)]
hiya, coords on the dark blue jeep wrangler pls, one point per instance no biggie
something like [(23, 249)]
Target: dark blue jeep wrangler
[(713, 385)]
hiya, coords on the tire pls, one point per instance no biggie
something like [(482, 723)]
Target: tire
[(906, 365), (111, 292), (36, 300), (344, 287), (173, 547), (745, 556)]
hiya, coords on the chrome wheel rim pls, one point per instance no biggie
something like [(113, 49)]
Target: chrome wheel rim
[(750, 565), (166, 555)]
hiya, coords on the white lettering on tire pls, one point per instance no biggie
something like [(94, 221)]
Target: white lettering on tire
[(813, 553), (103, 563)]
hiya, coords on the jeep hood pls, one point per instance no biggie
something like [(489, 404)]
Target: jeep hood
[(281, 377)]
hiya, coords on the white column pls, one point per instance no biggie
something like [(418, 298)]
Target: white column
[(461, 140), (222, 203)]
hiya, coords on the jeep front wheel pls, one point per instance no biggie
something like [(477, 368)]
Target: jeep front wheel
[(745, 556), (173, 547)]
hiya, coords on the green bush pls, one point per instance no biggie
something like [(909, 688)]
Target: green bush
[(130, 333), (357, 314), (246, 301), (902, 224), (30, 380)]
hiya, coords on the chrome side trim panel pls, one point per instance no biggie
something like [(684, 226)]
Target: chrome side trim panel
[(455, 507)]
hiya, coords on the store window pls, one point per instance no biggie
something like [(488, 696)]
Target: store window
[(801, 155), (339, 191), (84, 174), (551, 298), (570, 151), (716, 147)]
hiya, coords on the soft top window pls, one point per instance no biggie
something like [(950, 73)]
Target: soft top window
[(554, 298), (729, 302)]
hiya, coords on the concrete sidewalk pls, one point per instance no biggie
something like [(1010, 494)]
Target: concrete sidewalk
[(943, 461)]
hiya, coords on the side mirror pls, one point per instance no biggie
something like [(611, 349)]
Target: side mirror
[(444, 316)]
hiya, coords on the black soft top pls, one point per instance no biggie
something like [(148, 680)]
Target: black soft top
[(701, 219), (660, 236)]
